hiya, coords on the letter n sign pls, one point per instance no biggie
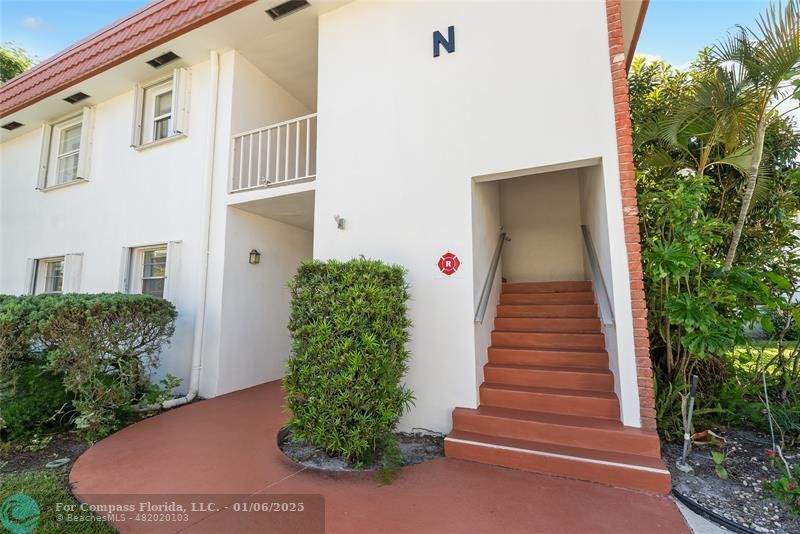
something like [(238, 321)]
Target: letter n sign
[(449, 44)]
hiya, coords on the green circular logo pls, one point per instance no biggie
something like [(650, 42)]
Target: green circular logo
[(20, 514)]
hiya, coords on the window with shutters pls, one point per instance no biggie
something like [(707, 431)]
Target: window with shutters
[(54, 274), (49, 276), (66, 146), (161, 109), (149, 270)]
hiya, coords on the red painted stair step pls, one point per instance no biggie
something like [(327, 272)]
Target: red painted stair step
[(576, 297), (571, 431), (524, 324), (555, 377), (547, 310), (582, 403), (613, 468), (597, 359), (547, 287), (555, 340)]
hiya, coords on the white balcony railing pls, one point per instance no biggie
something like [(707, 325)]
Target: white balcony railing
[(278, 154)]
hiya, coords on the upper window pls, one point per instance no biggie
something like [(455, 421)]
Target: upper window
[(158, 112), (49, 276), (65, 151), (161, 109), (68, 148)]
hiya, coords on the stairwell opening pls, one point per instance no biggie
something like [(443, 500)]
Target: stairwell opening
[(555, 370), (548, 213)]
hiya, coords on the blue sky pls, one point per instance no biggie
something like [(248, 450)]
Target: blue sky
[(46, 27), (674, 29)]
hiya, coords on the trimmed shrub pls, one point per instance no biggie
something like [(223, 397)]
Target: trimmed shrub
[(102, 347), (33, 401), (17, 315), (344, 378)]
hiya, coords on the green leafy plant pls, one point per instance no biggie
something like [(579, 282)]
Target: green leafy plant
[(783, 319), (719, 458), (785, 487), (710, 150), (13, 61), (39, 443), (344, 379), (158, 393), (671, 401)]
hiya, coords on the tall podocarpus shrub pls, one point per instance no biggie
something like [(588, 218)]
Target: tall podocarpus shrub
[(345, 375)]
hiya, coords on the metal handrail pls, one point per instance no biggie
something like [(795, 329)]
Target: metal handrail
[(606, 311), (487, 284)]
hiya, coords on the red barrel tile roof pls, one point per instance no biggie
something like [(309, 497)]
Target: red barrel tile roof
[(144, 29)]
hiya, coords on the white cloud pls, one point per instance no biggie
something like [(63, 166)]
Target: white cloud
[(650, 58), (34, 24)]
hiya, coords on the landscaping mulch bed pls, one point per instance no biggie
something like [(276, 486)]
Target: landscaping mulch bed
[(19, 458), (741, 498), (417, 447)]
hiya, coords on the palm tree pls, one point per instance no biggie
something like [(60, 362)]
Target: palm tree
[(766, 62), (709, 129)]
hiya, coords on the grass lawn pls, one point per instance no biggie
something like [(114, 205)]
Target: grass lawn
[(48, 488), (745, 356)]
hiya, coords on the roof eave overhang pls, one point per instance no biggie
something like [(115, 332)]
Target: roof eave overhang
[(637, 30), (133, 35)]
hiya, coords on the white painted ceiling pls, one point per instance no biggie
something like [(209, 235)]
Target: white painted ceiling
[(296, 209)]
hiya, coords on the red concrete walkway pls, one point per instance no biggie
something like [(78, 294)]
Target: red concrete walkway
[(227, 447)]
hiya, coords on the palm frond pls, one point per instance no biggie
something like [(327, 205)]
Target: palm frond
[(778, 43), (739, 159), (659, 158), (765, 183)]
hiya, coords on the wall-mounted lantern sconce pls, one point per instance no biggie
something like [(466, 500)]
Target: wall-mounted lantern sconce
[(255, 257), (339, 222)]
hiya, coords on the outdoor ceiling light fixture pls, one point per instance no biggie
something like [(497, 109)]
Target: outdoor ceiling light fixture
[(13, 125), (255, 257), (163, 59), (77, 97), (287, 8)]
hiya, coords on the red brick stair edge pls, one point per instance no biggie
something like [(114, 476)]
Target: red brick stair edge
[(630, 210)]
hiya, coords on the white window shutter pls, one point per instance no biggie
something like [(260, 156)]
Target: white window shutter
[(73, 264), (173, 265), (44, 156), (125, 271), (30, 276), (138, 115), (181, 80), (87, 135)]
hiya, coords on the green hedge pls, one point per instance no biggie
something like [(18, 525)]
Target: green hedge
[(102, 347), (33, 401), (345, 375)]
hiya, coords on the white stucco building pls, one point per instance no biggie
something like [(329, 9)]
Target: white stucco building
[(156, 154)]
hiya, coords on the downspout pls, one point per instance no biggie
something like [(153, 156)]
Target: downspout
[(200, 321)]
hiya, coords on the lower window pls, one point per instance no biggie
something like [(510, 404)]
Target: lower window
[(149, 270), (49, 276)]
